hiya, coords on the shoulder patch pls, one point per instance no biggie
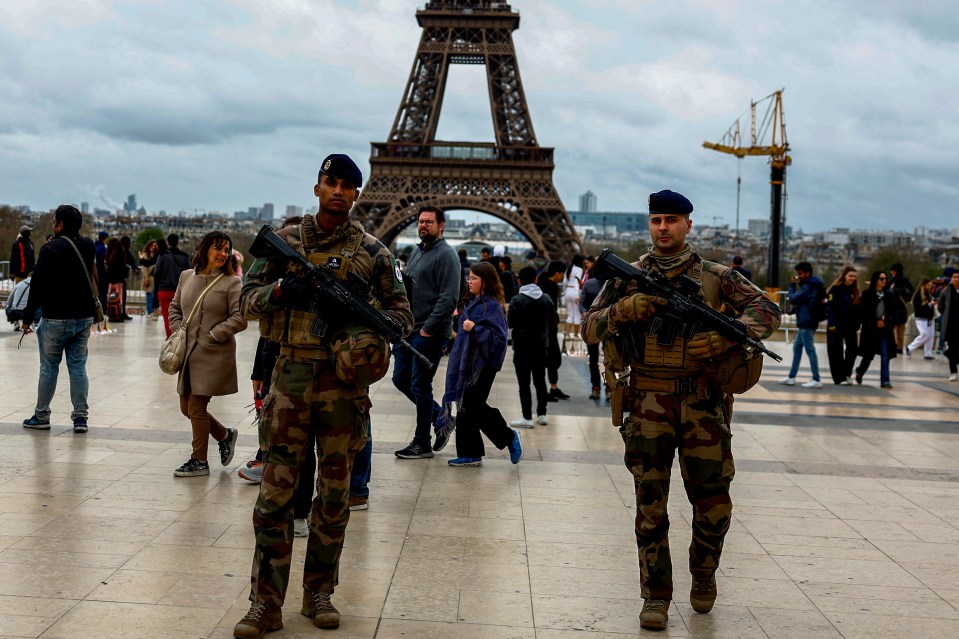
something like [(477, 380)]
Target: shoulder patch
[(397, 271)]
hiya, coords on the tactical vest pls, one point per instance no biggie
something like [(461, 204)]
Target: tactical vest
[(659, 345), (341, 253)]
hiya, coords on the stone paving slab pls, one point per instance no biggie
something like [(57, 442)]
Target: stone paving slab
[(846, 520)]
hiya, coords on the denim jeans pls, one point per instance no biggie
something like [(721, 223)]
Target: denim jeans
[(883, 348), (415, 380), (56, 336), (362, 462), (805, 339)]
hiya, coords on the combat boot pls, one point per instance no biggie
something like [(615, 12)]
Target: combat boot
[(261, 619), (654, 614), (702, 594), (318, 607)]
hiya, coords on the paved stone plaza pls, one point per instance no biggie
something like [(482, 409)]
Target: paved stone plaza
[(846, 516)]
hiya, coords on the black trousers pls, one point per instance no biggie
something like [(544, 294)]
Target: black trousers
[(554, 359), (531, 364), (593, 351), (841, 347), (477, 416)]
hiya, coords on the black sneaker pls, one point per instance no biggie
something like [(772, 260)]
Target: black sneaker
[(80, 425), (192, 468), (36, 423), (415, 451), (228, 446), (558, 394), (443, 437)]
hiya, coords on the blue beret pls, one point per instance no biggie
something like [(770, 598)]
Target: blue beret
[(103, 235), (342, 167), (670, 203)]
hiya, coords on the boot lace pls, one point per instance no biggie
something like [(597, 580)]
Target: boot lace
[(654, 605), (702, 585), (322, 601), (256, 611)]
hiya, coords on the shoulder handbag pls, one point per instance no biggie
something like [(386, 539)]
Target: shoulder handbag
[(97, 307), (173, 351)]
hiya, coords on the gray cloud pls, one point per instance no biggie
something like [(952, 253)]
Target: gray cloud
[(223, 105)]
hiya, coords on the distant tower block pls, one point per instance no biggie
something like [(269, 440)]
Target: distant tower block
[(511, 179)]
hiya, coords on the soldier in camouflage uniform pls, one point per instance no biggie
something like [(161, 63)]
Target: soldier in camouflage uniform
[(655, 362), (319, 385)]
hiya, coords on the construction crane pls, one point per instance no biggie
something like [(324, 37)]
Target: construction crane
[(774, 125)]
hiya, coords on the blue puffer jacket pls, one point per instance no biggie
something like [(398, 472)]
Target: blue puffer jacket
[(802, 298)]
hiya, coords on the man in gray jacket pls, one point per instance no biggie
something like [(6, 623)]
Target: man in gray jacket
[(433, 273)]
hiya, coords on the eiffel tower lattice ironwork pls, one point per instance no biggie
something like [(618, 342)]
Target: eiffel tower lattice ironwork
[(511, 179)]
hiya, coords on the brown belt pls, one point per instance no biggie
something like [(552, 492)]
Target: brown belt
[(305, 354), (682, 385)]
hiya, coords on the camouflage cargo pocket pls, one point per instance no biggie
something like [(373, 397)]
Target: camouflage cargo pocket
[(362, 357), (265, 422)]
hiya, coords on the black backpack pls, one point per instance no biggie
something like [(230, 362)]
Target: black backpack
[(820, 305)]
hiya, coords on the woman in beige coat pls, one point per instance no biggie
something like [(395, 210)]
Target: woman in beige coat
[(210, 365)]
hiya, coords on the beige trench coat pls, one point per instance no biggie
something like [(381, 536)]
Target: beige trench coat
[(210, 345)]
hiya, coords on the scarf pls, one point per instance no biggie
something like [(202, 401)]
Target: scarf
[(483, 347), (666, 264)]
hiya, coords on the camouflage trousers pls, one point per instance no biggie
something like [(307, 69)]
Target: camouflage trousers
[(305, 396), (658, 424)]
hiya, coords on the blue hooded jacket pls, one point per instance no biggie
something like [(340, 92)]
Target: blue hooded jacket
[(803, 298)]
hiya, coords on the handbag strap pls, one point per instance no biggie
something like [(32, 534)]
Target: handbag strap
[(196, 304), (84, 265)]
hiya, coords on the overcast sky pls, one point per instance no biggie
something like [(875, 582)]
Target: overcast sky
[(226, 104)]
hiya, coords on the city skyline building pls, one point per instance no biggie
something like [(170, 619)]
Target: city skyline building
[(587, 202)]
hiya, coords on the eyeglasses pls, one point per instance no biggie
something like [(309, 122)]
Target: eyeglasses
[(882, 277), (427, 222)]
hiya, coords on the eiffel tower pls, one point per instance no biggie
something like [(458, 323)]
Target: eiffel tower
[(511, 179)]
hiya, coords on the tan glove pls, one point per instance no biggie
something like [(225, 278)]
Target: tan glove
[(708, 344), (636, 308)]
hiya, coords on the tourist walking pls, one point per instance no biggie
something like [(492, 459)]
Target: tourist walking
[(529, 317), (924, 311), (879, 311), (901, 287), (117, 271), (22, 257), (591, 289), (166, 276), (949, 307), (148, 259), (572, 283), (806, 294), (550, 280), (478, 354), (434, 272), (62, 289), (842, 325), (210, 291)]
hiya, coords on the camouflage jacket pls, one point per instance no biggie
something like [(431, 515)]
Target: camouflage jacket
[(372, 261), (723, 289)]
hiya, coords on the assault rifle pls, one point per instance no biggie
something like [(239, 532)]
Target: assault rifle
[(336, 297), (682, 299)]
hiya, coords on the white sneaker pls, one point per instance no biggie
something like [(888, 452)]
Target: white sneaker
[(953, 377), (541, 420), (788, 381), (522, 423), (846, 382), (301, 528), (813, 383)]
